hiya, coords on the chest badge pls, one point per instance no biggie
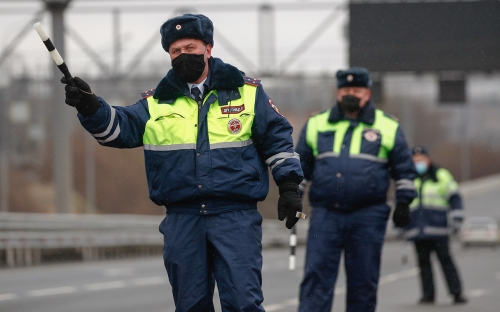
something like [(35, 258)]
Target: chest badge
[(370, 136), (234, 126)]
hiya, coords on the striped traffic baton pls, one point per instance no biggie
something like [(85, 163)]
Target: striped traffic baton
[(293, 241), (293, 244), (54, 53)]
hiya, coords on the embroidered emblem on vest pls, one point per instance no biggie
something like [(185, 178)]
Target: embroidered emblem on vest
[(234, 126), (370, 136)]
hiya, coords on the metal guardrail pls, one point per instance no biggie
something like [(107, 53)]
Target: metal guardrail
[(25, 237)]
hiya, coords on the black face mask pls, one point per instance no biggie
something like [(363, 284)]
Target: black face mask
[(189, 67), (349, 104)]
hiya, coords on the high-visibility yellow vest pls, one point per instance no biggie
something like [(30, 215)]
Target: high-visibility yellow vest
[(384, 129), (174, 126), (435, 194)]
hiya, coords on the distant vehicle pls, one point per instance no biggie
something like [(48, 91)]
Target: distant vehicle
[(479, 231)]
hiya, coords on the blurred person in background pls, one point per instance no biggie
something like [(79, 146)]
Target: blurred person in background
[(437, 195), (349, 153), (209, 135)]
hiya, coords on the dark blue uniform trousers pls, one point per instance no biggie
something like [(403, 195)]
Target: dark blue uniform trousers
[(226, 248), (360, 234)]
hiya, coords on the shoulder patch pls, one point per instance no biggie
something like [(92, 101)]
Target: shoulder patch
[(148, 93), (251, 81), (391, 116)]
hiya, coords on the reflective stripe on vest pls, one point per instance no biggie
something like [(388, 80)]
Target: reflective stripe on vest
[(435, 194), (174, 126), (384, 128)]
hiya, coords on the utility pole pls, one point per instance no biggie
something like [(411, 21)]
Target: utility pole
[(4, 147), (267, 40), (117, 45), (62, 115)]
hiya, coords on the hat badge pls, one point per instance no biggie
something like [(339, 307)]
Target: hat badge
[(350, 78), (178, 27)]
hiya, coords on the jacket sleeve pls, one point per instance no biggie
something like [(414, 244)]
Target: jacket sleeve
[(402, 169), (115, 126), (272, 135), (306, 157)]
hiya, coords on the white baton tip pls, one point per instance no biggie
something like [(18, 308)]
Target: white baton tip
[(41, 32), (300, 215)]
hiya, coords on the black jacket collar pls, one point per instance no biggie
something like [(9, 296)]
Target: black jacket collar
[(431, 173), (366, 115), (222, 77)]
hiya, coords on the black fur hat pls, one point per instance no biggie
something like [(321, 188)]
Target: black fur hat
[(354, 77), (194, 26), (420, 150)]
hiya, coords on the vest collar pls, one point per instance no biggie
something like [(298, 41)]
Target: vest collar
[(366, 115), (223, 77)]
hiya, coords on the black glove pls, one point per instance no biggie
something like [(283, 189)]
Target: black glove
[(289, 203), (401, 215), (81, 97)]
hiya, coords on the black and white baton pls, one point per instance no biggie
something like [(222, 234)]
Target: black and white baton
[(54, 53), (293, 244), (293, 241)]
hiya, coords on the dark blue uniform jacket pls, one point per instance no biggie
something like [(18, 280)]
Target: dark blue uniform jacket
[(232, 178), (347, 183)]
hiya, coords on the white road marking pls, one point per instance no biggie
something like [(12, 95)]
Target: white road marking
[(119, 272), (52, 291), (275, 307), (5, 297), (106, 285), (475, 293), (155, 280), (397, 276), (342, 290)]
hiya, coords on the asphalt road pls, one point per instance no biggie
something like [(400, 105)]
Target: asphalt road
[(142, 285)]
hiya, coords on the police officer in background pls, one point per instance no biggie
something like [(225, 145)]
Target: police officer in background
[(349, 153), (209, 135), (428, 229)]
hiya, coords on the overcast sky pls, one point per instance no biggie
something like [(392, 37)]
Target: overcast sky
[(235, 20)]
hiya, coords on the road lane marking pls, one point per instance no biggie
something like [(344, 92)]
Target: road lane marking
[(104, 286), (475, 293), (52, 291), (119, 272), (5, 297), (156, 280), (397, 276), (389, 278)]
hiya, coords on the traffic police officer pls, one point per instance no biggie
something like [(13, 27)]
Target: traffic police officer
[(349, 153), (209, 135), (428, 229)]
